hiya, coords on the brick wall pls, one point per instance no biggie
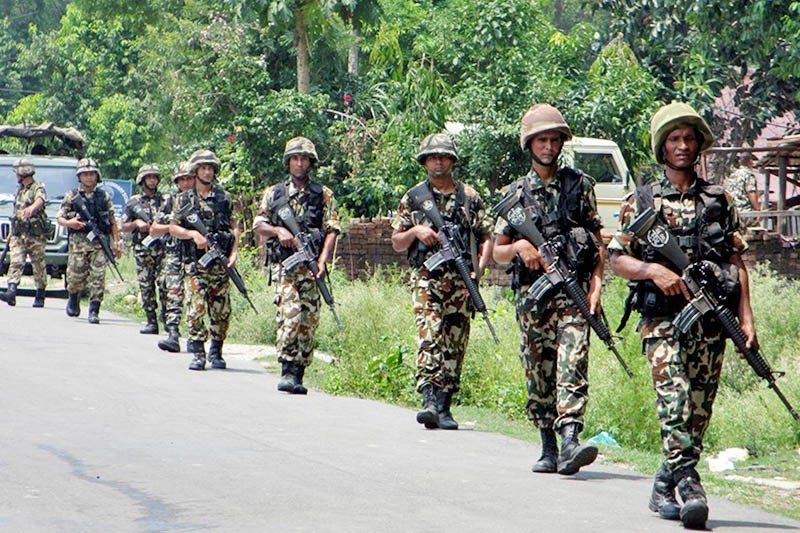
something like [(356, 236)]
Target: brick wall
[(367, 243)]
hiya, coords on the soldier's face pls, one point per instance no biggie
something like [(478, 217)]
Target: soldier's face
[(185, 183), (205, 173), (88, 179), (151, 182), (299, 165), (546, 146), (681, 147), (438, 165)]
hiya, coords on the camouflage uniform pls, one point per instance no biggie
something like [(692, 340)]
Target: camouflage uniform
[(171, 273), (86, 266), (208, 287), (685, 373), (296, 295), (148, 260), (440, 298), (29, 236), (554, 339), (740, 184)]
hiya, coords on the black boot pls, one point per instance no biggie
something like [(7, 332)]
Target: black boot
[(215, 355), (299, 372), (172, 342), (151, 328), (694, 511), (288, 379), (198, 350), (38, 299), (73, 304), (547, 462), (94, 311), (429, 415), (443, 401), (662, 499), (574, 455), (10, 297)]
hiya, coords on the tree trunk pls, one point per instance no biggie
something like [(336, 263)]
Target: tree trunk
[(354, 51), (301, 45)]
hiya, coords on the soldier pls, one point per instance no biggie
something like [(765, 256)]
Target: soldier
[(440, 297), (743, 188), (30, 229), (172, 271), (140, 211), (86, 266), (685, 372), (296, 294), (554, 336), (208, 285)]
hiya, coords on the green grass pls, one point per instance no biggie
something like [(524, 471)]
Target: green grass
[(374, 358)]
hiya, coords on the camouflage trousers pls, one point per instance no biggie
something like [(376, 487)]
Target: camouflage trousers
[(685, 378), (297, 316), (209, 293), (148, 263), (554, 351), (19, 247), (171, 277), (86, 269), (441, 309)]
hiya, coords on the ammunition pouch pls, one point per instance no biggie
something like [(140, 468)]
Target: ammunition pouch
[(646, 298), (583, 252)]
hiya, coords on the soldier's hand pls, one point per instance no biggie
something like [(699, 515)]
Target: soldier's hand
[(285, 237), (321, 267), (116, 249), (142, 226), (749, 330), (595, 305), (232, 258), (529, 254), (426, 235), (27, 212), (76, 224), (668, 281), (199, 240)]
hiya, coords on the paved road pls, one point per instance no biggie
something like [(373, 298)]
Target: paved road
[(104, 432)]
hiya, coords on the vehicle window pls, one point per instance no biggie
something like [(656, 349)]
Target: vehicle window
[(599, 166), (57, 181)]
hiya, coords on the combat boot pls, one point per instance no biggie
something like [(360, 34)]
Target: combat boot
[(547, 462), (172, 342), (73, 304), (429, 415), (662, 499), (443, 401), (574, 455), (215, 355), (198, 350), (38, 299), (288, 379), (151, 328), (694, 511), (299, 372), (10, 295), (94, 311)]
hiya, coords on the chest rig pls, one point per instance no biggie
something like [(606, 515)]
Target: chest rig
[(309, 216)]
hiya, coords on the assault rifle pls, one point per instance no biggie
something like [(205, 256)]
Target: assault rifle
[(307, 254), (703, 287), (94, 234), (215, 253), (453, 249), (557, 273), (139, 212)]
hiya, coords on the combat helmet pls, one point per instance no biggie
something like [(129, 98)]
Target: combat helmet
[(437, 143), (88, 164), (300, 146), (204, 157), (147, 170), (673, 116), (540, 118), (24, 167), (183, 169)]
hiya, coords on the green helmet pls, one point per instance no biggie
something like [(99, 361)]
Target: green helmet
[(204, 157), (300, 146), (183, 169), (88, 164), (437, 143), (540, 118), (24, 167), (147, 170), (673, 116)]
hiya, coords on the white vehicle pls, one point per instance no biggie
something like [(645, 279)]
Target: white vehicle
[(601, 159)]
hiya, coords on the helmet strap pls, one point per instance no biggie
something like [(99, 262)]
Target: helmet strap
[(204, 182)]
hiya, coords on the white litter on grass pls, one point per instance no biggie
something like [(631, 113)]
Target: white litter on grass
[(726, 458)]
